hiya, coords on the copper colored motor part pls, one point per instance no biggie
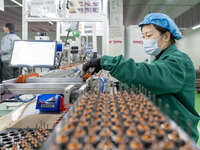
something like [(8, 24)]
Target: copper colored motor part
[(33, 142), (113, 113), (135, 145), (142, 128), (167, 145), (138, 119), (117, 139), (174, 136), (88, 146), (98, 113), (28, 135), (77, 114), (24, 144), (74, 144), (84, 124), (44, 131), (40, 129), (39, 136), (113, 108), (73, 120), (91, 102), (104, 110), (79, 132), (28, 147), (124, 111), (160, 119), (79, 108), (30, 139), (94, 140), (97, 120), (106, 123), (154, 112), (14, 147), (68, 128), (152, 124), (105, 116), (142, 110), (166, 127), (116, 128), (21, 141), (42, 139), (62, 140), (127, 124), (95, 128), (159, 133), (135, 113), (131, 133), (105, 144), (36, 145), (148, 139), (105, 133), (87, 111), (98, 108), (86, 117), (147, 116), (47, 134), (82, 103), (89, 106), (112, 103)]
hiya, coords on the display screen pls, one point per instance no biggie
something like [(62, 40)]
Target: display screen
[(33, 54)]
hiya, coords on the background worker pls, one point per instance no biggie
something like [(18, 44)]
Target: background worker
[(6, 50)]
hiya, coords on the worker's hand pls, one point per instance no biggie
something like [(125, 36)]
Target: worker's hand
[(95, 62)]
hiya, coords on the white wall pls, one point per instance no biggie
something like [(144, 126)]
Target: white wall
[(190, 44), (134, 44)]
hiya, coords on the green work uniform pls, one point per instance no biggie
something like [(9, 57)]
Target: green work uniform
[(171, 78)]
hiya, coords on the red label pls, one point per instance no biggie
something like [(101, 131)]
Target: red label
[(138, 42), (115, 42)]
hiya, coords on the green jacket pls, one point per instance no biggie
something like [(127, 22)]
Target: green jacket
[(171, 78)]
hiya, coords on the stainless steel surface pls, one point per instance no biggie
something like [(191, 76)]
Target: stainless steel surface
[(57, 129), (67, 92), (37, 88), (83, 89), (59, 73), (53, 80)]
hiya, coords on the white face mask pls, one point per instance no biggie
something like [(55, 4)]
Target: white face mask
[(151, 46)]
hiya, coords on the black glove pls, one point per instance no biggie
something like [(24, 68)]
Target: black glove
[(95, 62)]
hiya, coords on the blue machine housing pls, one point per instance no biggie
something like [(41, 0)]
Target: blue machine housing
[(48, 102)]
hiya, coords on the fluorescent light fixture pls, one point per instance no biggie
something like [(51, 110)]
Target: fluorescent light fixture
[(195, 27), (14, 1), (51, 23)]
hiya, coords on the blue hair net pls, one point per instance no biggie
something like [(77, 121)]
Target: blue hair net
[(163, 21)]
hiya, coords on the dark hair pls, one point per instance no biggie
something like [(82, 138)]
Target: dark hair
[(11, 27), (162, 31)]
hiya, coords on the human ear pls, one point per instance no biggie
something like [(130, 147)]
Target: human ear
[(167, 36)]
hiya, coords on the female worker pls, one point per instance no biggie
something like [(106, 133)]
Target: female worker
[(170, 76)]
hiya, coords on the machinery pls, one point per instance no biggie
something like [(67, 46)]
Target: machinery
[(100, 116)]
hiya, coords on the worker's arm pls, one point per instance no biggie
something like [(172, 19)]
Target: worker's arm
[(5, 45), (161, 77)]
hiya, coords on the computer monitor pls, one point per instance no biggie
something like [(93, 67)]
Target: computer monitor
[(33, 54)]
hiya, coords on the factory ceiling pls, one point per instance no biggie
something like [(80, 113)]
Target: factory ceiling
[(184, 12)]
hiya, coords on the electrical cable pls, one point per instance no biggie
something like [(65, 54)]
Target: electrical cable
[(25, 101), (103, 82)]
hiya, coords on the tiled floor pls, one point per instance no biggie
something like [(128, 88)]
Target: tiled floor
[(197, 106)]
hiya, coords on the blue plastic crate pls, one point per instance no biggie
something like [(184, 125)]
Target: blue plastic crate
[(44, 102)]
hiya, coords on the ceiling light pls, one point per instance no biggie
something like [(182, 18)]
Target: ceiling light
[(14, 1), (51, 23), (195, 27)]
